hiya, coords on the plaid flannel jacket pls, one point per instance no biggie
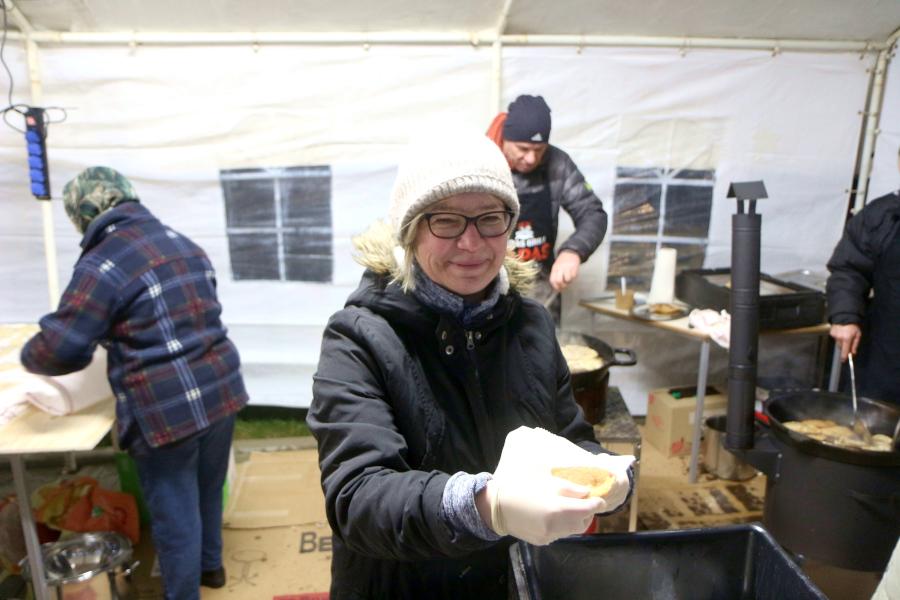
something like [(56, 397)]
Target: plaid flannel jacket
[(148, 294)]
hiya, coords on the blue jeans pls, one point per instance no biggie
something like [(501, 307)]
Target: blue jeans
[(182, 485)]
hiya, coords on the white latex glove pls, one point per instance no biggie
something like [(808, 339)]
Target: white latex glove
[(527, 502), (540, 510)]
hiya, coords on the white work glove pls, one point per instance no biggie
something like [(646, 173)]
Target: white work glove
[(527, 502)]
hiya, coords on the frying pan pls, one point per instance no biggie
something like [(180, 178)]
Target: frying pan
[(881, 417)]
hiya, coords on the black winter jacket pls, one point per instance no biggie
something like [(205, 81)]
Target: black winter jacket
[(402, 399), (856, 256)]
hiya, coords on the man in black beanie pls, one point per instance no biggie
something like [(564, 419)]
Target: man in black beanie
[(546, 179)]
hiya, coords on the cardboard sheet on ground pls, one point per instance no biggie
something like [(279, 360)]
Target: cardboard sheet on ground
[(276, 489), (707, 504), (277, 543), (261, 564), (280, 561)]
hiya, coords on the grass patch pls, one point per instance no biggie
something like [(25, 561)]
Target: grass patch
[(253, 429)]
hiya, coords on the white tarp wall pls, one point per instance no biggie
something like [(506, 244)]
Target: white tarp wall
[(172, 118), (885, 176)]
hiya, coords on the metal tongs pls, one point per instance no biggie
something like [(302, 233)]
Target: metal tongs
[(859, 426)]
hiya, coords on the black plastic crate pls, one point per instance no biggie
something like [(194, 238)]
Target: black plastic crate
[(736, 562), (782, 304)]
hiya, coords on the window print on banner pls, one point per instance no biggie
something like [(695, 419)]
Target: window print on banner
[(279, 224), (654, 208)]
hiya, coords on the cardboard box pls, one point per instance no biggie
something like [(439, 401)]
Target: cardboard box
[(670, 416)]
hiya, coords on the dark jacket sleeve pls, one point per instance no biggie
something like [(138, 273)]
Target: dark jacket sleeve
[(68, 336), (851, 266), (578, 199), (376, 503)]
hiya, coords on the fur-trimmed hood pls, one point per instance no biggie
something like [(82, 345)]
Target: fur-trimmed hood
[(377, 250)]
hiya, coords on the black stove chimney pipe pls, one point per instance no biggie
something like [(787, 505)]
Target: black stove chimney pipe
[(742, 354)]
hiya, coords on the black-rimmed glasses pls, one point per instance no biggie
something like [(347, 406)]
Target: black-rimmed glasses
[(446, 225)]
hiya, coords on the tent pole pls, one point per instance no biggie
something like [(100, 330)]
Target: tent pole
[(497, 61), (34, 75), (46, 205), (496, 79), (692, 42), (399, 38), (872, 120)]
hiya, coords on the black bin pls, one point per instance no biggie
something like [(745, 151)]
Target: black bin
[(736, 562)]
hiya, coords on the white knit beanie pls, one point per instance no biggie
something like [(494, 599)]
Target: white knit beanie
[(445, 166)]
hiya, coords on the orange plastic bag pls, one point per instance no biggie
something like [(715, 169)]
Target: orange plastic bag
[(81, 505), (51, 501)]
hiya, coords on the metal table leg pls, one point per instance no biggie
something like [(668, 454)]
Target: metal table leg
[(70, 465), (35, 560), (698, 413), (633, 512), (835, 377)]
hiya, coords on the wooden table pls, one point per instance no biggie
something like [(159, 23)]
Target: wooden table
[(680, 327), (35, 431)]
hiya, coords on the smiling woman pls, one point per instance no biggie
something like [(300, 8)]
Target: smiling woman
[(434, 360)]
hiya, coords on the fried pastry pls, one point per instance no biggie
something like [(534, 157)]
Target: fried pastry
[(599, 480), (664, 308)]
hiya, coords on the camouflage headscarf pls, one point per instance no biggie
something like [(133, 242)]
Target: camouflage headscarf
[(94, 191)]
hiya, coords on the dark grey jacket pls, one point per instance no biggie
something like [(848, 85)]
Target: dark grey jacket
[(856, 257), (403, 398), (569, 190)]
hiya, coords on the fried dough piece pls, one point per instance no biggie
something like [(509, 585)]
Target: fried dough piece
[(578, 352), (664, 308), (599, 480), (581, 359), (820, 423), (800, 427), (838, 431)]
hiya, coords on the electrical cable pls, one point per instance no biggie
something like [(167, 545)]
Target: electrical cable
[(10, 106), (19, 108), (2, 59)]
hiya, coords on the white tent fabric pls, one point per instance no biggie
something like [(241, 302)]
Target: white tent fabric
[(171, 118), (885, 176)]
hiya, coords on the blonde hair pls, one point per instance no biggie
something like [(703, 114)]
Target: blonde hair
[(406, 243), (378, 249)]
